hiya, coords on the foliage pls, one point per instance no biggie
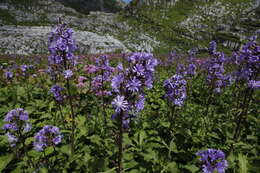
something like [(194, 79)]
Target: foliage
[(158, 139)]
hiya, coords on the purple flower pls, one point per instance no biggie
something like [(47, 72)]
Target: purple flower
[(213, 160), (139, 69), (61, 47), (46, 137), (120, 104), (212, 47), (254, 84), (56, 91), (176, 89), (24, 68), (117, 81), (67, 74), (12, 139), (16, 114), (140, 103), (133, 85), (215, 69), (89, 69), (129, 84), (8, 75), (16, 123)]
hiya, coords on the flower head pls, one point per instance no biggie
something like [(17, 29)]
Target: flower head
[(47, 136), (133, 85), (67, 74), (176, 89), (16, 125), (120, 104), (213, 160), (8, 75), (56, 90)]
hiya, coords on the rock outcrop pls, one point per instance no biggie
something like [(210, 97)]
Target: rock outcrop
[(33, 40)]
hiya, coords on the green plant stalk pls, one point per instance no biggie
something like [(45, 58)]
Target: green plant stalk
[(208, 103), (103, 104), (72, 117), (120, 143), (241, 116), (61, 114), (172, 117)]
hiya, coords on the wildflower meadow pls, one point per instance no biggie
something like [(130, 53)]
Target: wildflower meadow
[(133, 112)]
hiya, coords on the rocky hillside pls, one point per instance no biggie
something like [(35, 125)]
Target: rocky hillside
[(109, 26), (24, 28), (193, 23)]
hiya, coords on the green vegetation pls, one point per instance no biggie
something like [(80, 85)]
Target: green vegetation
[(6, 17), (165, 23)]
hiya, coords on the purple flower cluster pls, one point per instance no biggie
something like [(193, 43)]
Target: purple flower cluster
[(104, 76), (56, 90), (176, 89), (129, 84), (212, 47), (26, 69), (8, 75), (16, 124), (213, 160), (61, 47), (46, 137), (81, 81), (215, 70), (248, 62), (188, 69)]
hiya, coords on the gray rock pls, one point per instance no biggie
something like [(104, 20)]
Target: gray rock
[(33, 40)]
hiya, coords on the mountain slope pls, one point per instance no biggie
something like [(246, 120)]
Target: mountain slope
[(187, 24)]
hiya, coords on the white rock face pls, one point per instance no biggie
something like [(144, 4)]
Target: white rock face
[(142, 43), (33, 40)]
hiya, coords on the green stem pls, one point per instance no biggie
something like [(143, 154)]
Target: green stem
[(120, 142), (72, 117)]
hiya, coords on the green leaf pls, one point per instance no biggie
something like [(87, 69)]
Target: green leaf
[(29, 140), (95, 139), (4, 161), (49, 150), (43, 170), (243, 163), (191, 168), (65, 149), (142, 136), (172, 167)]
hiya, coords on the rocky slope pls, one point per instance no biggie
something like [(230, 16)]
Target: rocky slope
[(24, 29), (143, 25), (186, 24)]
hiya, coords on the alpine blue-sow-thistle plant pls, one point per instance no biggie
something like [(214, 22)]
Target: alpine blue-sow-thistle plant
[(104, 71), (248, 63), (216, 78), (61, 47), (16, 125), (61, 62), (48, 136), (131, 81), (213, 160), (247, 80), (129, 85)]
